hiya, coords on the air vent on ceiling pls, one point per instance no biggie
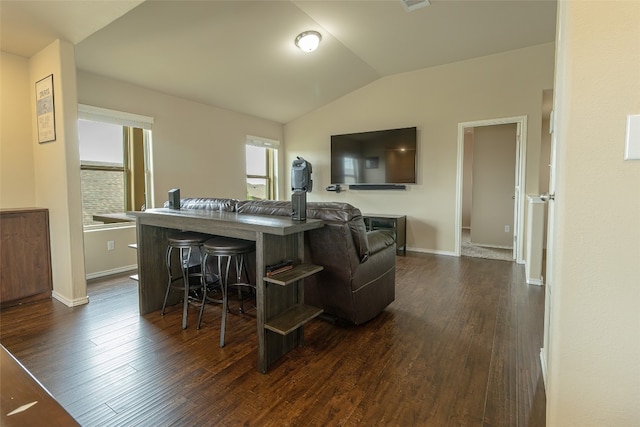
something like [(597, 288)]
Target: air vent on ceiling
[(412, 5)]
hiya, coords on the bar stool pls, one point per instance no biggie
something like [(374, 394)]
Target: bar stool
[(228, 249), (188, 246)]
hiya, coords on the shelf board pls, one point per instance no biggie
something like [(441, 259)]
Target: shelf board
[(298, 272), (134, 276), (292, 318)]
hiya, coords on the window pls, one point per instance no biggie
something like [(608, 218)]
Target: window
[(261, 162), (349, 166), (102, 168), (114, 166)]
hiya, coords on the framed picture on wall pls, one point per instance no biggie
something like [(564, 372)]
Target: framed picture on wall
[(45, 110)]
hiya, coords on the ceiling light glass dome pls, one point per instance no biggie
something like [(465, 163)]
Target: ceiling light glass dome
[(308, 41)]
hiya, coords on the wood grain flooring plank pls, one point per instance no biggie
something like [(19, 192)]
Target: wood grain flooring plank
[(94, 416)]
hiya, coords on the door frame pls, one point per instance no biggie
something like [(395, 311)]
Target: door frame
[(520, 162)]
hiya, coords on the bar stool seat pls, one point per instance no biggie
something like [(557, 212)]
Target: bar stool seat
[(225, 249), (188, 246)]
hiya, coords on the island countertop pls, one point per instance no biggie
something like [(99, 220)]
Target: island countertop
[(205, 220)]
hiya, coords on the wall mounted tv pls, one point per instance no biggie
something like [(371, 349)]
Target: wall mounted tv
[(377, 157)]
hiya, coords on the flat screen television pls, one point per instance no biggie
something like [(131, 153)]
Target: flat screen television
[(376, 157)]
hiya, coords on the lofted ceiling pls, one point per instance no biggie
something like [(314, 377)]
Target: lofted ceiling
[(240, 55)]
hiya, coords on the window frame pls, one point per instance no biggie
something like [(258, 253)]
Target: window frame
[(128, 121), (271, 168)]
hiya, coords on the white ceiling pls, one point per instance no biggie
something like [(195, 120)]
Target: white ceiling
[(240, 55)]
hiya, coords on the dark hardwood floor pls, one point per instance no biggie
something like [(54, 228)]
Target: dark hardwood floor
[(459, 346)]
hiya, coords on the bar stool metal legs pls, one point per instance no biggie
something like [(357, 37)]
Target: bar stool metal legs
[(241, 266), (223, 271), (189, 258), (227, 248)]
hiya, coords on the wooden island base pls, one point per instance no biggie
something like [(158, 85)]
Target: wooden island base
[(281, 313)]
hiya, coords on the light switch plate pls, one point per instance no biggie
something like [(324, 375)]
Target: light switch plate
[(632, 143)]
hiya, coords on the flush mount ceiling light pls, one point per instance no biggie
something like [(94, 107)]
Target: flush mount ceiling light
[(308, 41)]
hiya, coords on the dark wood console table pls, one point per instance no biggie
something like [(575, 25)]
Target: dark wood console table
[(281, 313), (396, 223), (24, 401)]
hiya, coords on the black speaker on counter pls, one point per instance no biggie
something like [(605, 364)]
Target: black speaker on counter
[(299, 206), (301, 175), (174, 198)]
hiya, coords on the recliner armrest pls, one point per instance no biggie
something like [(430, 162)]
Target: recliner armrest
[(379, 240)]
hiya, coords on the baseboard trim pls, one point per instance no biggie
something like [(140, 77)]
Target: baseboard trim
[(543, 365), (431, 251), (482, 245), (532, 280), (113, 271), (536, 282), (68, 302)]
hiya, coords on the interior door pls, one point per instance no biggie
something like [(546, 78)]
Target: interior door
[(493, 213), (548, 298), (516, 192)]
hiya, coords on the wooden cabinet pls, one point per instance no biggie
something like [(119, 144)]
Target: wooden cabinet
[(25, 256), (395, 223)]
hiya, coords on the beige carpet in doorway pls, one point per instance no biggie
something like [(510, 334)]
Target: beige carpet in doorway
[(477, 251)]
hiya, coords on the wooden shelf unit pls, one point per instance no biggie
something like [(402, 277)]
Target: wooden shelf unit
[(298, 272), (292, 318), (134, 276), (296, 315)]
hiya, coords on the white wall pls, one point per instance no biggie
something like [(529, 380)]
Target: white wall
[(99, 261), (17, 184), (196, 147), (57, 172), (435, 100), (45, 175), (594, 349)]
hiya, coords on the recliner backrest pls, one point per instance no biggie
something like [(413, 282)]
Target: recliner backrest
[(330, 212), (210, 203)]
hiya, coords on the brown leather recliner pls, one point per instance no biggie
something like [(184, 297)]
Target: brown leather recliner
[(358, 280)]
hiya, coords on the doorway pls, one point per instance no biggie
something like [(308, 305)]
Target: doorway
[(490, 203)]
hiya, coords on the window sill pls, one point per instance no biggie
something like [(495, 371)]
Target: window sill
[(112, 226)]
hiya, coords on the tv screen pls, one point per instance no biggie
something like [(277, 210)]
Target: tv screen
[(377, 157)]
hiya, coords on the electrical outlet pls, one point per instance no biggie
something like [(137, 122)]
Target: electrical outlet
[(506, 228), (111, 245)]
